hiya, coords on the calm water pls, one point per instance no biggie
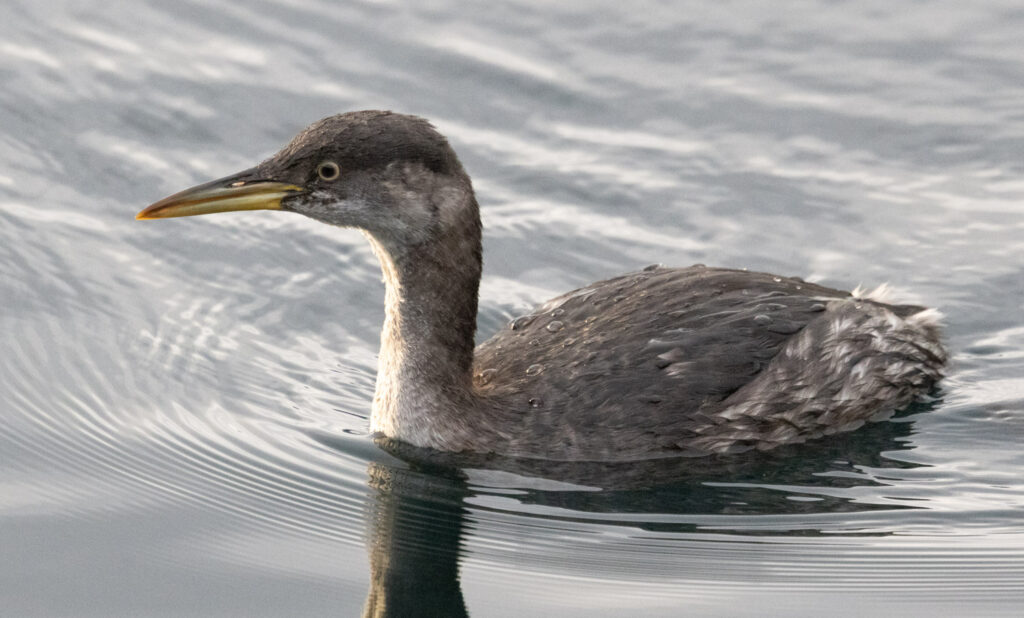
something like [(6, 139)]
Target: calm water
[(184, 404)]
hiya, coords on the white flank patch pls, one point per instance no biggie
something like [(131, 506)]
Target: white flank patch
[(927, 318), (880, 294)]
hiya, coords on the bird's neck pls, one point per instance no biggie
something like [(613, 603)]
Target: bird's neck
[(424, 374)]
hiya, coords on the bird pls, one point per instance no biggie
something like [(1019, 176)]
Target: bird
[(663, 362)]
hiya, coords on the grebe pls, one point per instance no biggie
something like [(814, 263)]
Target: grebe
[(664, 362)]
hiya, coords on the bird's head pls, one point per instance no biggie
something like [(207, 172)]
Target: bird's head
[(392, 175)]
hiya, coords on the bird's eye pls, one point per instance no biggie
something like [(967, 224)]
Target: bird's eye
[(328, 170)]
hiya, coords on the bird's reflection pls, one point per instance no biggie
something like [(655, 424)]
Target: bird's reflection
[(417, 511), (415, 526)]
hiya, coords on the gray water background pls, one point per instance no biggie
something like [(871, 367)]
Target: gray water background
[(184, 404)]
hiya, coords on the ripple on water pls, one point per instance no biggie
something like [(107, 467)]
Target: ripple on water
[(143, 454)]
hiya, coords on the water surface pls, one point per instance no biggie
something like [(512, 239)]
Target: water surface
[(185, 403)]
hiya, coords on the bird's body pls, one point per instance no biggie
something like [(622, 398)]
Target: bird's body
[(692, 361), (660, 363)]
